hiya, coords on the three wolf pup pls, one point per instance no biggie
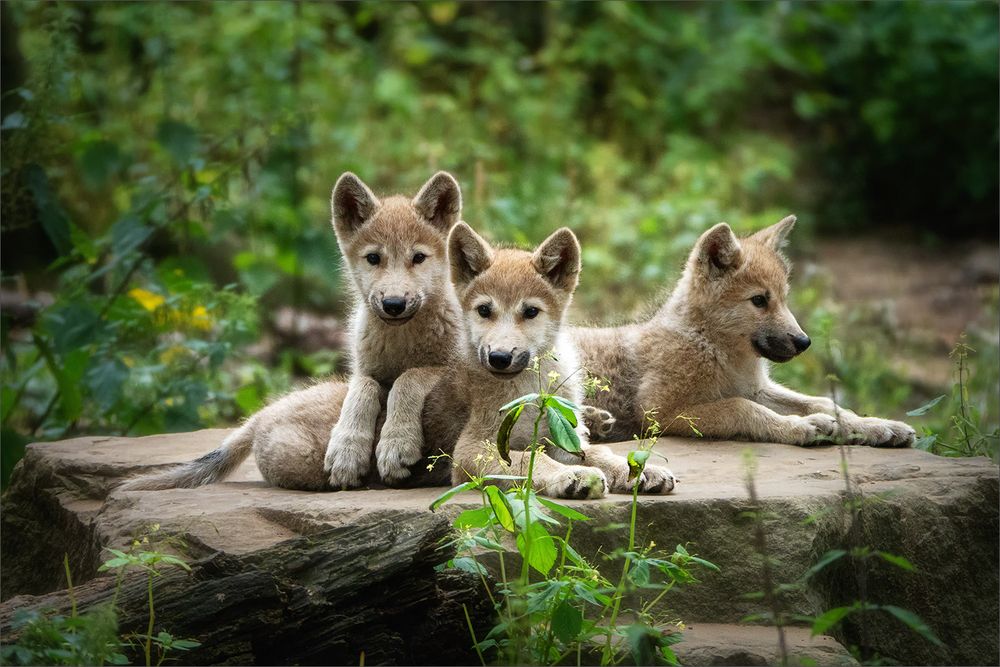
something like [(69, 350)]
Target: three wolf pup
[(436, 358)]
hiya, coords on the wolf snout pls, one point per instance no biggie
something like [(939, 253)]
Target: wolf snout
[(507, 362), (500, 360), (394, 305), (801, 342)]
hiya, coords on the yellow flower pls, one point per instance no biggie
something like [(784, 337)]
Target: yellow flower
[(148, 300), (200, 319), (173, 353)]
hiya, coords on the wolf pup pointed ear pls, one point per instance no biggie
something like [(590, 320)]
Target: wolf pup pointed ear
[(439, 201), (468, 254), (717, 251), (558, 259), (352, 204), (776, 236)]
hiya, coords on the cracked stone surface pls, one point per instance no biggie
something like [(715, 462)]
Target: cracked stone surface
[(941, 514)]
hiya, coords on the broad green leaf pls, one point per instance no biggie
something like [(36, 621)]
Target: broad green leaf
[(50, 213), (447, 495), (565, 511), (926, 407), (475, 518), (248, 398), (827, 558), (566, 408), (914, 622), (562, 432), (105, 381), (179, 139), (566, 622), (501, 507), (468, 564), (637, 462), (542, 554), (524, 400), (898, 561), (98, 162), (503, 434), (639, 574), (128, 234), (830, 618)]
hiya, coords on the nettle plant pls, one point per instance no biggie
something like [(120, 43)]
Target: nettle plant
[(556, 606)]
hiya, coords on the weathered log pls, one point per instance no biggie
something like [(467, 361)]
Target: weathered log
[(368, 588)]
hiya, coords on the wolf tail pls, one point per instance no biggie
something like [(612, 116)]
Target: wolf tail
[(212, 467)]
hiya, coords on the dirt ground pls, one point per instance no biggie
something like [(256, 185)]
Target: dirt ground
[(929, 295)]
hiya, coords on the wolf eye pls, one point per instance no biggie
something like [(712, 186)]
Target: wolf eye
[(484, 310), (531, 313), (759, 300), (419, 258), (373, 258)]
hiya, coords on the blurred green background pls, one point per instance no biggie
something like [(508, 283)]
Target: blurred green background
[(167, 257)]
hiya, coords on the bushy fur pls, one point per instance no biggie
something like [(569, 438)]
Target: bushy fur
[(704, 355)]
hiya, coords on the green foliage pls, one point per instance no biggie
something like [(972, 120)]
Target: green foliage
[(561, 606), (87, 639), (167, 166)]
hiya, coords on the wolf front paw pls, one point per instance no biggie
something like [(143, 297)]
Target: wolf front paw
[(599, 422), (657, 479), (877, 432), (579, 482), (395, 453), (811, 429), (347, 458)]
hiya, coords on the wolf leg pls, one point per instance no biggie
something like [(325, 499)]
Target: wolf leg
[(743, 419), (349, 450), (600, 423), (852, 427), (402, 441)]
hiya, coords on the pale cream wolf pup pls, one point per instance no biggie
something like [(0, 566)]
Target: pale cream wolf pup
[(705, 353), (514, 303), (405, 317)]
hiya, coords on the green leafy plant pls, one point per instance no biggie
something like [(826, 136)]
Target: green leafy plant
[(151, 562), (90, 638), (559, 606), (969, 435)]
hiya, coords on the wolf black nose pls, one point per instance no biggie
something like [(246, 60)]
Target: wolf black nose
[(801, 343), (500, 360), (394, 305)]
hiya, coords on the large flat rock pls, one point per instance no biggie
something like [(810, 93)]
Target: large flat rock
[(941, 514)]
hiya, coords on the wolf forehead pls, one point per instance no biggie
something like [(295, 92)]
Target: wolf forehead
[(396, 223), (763, 266), (511, 279)]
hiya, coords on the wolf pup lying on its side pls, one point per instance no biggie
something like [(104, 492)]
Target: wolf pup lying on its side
[(704, 354), (405, 317)]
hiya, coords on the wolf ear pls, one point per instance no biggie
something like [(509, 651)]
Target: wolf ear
[(558, 259), (352, 203), (718, 251), (440, 201), (776, 236), (468, 254)]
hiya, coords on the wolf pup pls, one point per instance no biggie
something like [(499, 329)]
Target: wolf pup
[(705, 354), (405, 317), (513, 304)]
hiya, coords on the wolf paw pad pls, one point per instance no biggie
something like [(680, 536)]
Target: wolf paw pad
[(599, 422), (395, 453), (579, 482)]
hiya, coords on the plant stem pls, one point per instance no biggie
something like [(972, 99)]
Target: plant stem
[(620, 589), (152, 615), (472, 631), (69, 585)]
